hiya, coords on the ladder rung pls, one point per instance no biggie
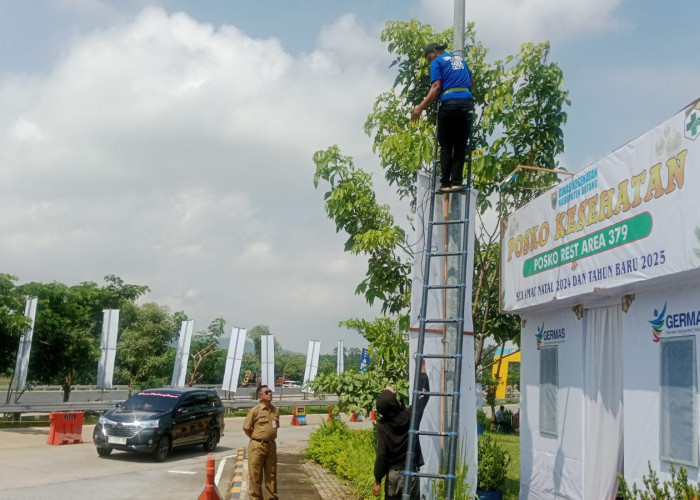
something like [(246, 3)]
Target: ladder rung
[(444, 287), (428, 474), (435, 393), (438, 356), (447, 222), (434, 433), (447, 254), (441, 320)]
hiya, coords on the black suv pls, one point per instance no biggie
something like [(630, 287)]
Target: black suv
[(157, 420)]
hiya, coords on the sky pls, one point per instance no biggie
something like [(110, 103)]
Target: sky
[(170, 142)]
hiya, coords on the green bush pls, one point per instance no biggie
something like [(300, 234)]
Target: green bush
[(493, 465), (676, 489), (483, 419), (349, 454)]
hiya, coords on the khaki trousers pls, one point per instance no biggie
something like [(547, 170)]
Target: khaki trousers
[(262, 463)]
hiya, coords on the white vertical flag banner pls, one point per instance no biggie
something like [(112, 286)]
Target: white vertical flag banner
[(340, 363), (183, 354), (19, 380), (267, 360), (233, 359), (108, 348), (311, 365)]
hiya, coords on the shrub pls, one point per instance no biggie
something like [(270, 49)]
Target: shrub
[(349, 454), (675, 489), (483, 419), (493, 465)]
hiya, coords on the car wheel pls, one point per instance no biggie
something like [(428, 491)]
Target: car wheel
[(212, 440), (104, 452), (162, 449)]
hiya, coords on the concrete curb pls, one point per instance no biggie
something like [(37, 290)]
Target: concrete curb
[(236, 485)]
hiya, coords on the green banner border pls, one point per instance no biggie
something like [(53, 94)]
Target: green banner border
[(639, 227)]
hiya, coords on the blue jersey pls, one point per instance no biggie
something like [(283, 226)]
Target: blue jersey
[(454, 75)]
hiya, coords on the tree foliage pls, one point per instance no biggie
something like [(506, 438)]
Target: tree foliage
[(519, 104), (388, 347), (65, 345), (207, 359), (145, 352)]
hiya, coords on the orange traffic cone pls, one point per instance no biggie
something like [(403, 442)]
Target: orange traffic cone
[(210, 491)]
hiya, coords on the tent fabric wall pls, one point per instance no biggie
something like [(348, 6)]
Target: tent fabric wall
[(603, 438), (552, 466), (641, 373)]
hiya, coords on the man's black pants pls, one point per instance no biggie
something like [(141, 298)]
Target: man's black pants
[(454, 128)]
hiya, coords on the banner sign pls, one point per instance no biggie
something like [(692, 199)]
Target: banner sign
[(632, 216), (183, 354), (340, 358), (234, 356), (108, 348), (19, 381), (311, 365), (364, 360), (267, 360)]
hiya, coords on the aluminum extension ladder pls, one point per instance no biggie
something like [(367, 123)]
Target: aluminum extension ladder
[(453, 358)]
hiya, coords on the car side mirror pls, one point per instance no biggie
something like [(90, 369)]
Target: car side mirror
[(118, 405), (182, 410)]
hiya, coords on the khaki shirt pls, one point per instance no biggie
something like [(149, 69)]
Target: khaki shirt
[(262, 422)]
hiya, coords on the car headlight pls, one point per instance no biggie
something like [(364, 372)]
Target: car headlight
[(104, 420), (148, 424)]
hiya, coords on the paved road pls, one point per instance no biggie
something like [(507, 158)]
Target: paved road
[(29, 468)]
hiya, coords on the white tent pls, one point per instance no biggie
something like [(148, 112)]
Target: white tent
[(604, 270)]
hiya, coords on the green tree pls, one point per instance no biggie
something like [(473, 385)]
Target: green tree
[(519, 108), (388, 347), (13, 323), (353, 355), (290, 365), (144, 351), (65, 346), (208, 360)]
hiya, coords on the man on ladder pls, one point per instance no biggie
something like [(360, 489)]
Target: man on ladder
[(451, 81)]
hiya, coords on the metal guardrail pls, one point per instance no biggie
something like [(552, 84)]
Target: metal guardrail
[(233, 404)]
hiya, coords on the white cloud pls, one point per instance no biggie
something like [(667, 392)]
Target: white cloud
[(505, 24), (177, 155)]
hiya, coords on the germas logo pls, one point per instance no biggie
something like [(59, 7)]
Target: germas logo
[(657, 324), (681, 322), (554, 336)]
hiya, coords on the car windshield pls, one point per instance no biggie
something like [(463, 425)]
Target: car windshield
[(151, 401)]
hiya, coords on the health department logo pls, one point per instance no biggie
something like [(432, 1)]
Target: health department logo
[(691, 126), (538, 336), (550, 336), (657, 324)]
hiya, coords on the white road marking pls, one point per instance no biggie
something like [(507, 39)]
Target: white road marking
[(181, 472), (221, 468)]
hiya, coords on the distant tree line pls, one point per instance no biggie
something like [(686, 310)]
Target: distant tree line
[(65, 348)]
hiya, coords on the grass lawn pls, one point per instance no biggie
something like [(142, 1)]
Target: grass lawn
[(511, 444)]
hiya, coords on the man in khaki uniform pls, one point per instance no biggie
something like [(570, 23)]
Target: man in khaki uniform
[(261, 426)]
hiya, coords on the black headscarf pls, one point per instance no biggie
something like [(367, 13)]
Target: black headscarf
[(392, 430)]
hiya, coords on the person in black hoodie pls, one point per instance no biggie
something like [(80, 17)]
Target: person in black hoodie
[(392, 441)]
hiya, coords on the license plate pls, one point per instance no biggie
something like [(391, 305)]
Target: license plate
[(116, 440)]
